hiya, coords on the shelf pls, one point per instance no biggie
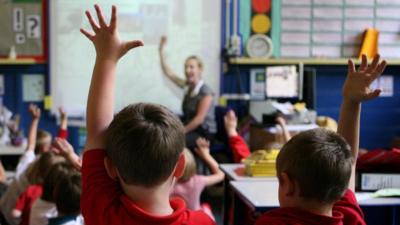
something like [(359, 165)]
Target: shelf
[(4, 61), (305, 61)]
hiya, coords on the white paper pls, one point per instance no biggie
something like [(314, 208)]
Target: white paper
[(359, 13), (326, 51), (379, 181), (327, 25), (33, 87), (327, 38), (282, 81), (360, 2), (20, 39), (33, 26), (296, 12), (353, 38), (388, 2), (295, 51), (18, 19), (388, 12), (1, 84), (385, 84), (389, 51), (328, 12), (389, 38), (296, 2), (388, 25), (295, 38), (296, 25), (330, 2), (351, 51), (358, 25)]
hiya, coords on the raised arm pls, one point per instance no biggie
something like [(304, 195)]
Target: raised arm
[(35, 114), (63, 132), (109, 49), (356, 89), (65, 149), (202, 110), (203, 151), (239, 148), (282, 123), (166, 68)]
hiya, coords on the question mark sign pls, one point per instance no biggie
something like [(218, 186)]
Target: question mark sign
[(33, 25)]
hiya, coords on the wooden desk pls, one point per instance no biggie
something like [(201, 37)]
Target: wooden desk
[(263, 196)]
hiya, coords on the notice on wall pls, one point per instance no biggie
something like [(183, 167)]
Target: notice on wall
[(33, 87)]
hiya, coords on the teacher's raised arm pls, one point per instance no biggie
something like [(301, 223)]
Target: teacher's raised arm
[(198, 105)]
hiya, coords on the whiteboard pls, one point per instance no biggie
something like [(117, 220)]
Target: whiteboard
[(192, 27)]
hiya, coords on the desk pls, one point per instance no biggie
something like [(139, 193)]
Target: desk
[(236, 172), (263, 195), (11, 150)]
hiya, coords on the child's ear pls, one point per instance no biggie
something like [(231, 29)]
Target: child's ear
[(180, 166), (287, 185), (110, 168)]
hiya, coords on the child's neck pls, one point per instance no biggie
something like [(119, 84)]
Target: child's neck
[(316, 207), (152, 200)]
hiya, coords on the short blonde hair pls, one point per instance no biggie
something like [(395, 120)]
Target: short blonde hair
[(199, 61), (190, 166)]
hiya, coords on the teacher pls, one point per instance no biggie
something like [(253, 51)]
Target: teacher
[(198, 104)]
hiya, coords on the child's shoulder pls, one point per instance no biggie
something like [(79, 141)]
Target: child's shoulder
[(198, 217)]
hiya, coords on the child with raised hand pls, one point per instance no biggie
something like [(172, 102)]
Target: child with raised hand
[(40, 170), (130, 160), (239, 148), (316, 168), (190, 185), (39, 141)]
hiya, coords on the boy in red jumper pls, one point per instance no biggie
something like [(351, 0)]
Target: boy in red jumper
[(316, 168), (131, 160)]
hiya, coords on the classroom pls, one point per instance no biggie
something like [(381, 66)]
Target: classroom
[(209, 112)]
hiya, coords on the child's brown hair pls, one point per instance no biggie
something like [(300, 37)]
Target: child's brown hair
[(144, 142), (320, 161), (190, 166), (67, 194), (57, 172), (41, 167)]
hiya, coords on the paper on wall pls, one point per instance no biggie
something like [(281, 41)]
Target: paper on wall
[(33, 87), (282, 81)]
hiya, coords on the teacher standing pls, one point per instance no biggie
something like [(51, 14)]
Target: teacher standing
[(198, 104)]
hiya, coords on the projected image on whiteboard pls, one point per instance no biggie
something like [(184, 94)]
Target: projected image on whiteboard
[(192, 27)]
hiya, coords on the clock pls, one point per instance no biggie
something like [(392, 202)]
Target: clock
[(259, 46)]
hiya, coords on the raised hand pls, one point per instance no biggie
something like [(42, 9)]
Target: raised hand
[(357, 85), (63, 114), (203, 147), (230, 122), (106, 38), (34, 111)]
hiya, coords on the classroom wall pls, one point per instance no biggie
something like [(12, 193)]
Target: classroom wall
[(12, 99), (380, 120)]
